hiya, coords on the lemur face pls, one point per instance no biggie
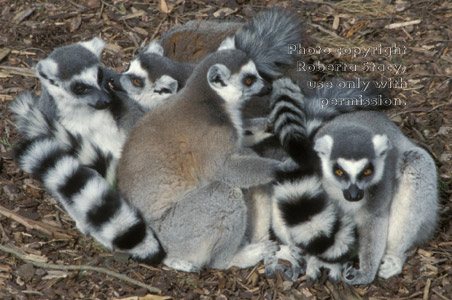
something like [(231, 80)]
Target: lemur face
[(149, 93), (238, 87), (144, 79), (352, 175), (73, 76)]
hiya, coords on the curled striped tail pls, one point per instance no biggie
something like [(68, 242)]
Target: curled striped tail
[(32, 123), (292, 125), (303, 213), (97, 209)]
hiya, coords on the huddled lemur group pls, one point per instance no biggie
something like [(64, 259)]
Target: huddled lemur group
[(195, 163)]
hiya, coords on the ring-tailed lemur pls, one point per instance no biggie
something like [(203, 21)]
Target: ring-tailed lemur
[(362, 173), (187, 182), (281, 27), (152, 78), (74, 95), (71, 138), (259, 247)]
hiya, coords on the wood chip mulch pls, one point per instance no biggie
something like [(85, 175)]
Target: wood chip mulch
[(43, 256)]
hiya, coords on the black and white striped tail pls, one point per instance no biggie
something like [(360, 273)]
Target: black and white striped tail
[(97, 209), (33, 124), (302, 207)]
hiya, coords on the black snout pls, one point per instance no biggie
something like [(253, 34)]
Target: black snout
[(266, 89), (102, 100), (353, 193), (114, 83)]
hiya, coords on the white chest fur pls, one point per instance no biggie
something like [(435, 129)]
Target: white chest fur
[(98, 126)]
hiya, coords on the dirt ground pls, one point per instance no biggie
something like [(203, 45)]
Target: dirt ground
[(43, 256)]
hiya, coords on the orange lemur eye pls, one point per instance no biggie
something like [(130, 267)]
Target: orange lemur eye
[(136, 81), (249, 80), (339, 172), (367, 172)]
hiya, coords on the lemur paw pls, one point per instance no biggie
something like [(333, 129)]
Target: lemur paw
[(290, 254), (390, 265), (353, 276), (180, 265), (271, 248)]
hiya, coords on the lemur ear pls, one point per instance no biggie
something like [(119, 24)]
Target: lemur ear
[(47, 69), (168, 83), (227, 44), (381, 144), (324, 145), (154, 47), (96, 46), (218, 75)]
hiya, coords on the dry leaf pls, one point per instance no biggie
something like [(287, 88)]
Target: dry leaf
[(22, 15), (75, 23), (154, 297), (93, 4), (355, 28), (35, 258), (113, 48), (336, 23), (164, 7), (140, 30), (136, 14), (5, 268), (52, 274), (147, 297), (224, 12), (4, 53)]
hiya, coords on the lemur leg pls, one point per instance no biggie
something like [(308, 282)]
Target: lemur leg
[(204, 229), (413, 211), (258, 203)]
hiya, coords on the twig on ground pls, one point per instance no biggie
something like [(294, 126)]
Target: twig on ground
[(18, 71), (402, 24), (79, 268), (35, 225)]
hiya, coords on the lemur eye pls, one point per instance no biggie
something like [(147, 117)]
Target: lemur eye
[(249, 80), (339, 172), (80, 88), (367, 172), (137, 82)]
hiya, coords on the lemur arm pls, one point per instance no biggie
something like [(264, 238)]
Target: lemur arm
[(248, 170), (372, 233)]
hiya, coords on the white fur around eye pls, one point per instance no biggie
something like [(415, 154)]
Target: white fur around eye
[(353, 167)]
